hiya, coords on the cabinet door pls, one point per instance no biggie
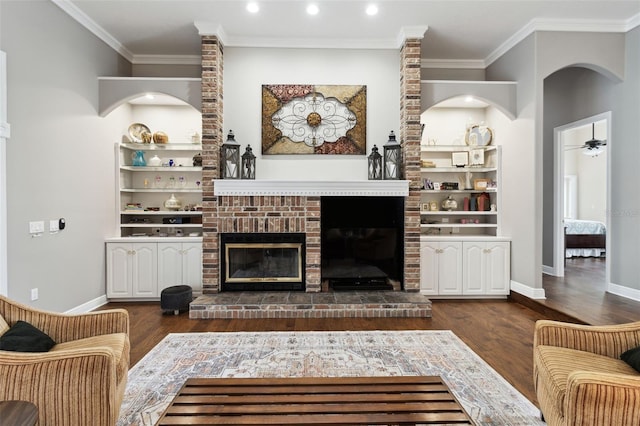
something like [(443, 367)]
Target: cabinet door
[(497, 272), (192, 265), (474, 268), (119, 271), (429, 268), (450, 268), (169, 265), (145, 270)]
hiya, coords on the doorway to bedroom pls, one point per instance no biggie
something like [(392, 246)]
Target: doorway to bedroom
[(582, 196)]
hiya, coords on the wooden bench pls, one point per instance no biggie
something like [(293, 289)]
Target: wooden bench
[(315, 401)]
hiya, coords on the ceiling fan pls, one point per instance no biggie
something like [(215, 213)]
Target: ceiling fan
[(593, 146)]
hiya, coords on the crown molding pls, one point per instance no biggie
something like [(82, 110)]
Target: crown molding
[(564, 25), (72, 10), (414, 31)]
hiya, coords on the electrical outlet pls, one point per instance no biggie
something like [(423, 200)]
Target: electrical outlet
[(34, 294), (53, 226)]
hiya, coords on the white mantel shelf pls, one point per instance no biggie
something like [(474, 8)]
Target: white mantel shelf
[(312, 188)]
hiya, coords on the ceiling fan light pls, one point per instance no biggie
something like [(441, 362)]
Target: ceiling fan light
[(592, 152)]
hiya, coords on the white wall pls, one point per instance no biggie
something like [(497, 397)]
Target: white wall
[(247, 69), (447, 126)]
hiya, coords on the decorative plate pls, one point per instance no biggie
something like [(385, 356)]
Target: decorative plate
[(136, 130), (478, 136)]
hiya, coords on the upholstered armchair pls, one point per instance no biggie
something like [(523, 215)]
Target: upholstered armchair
[(579, 377), (82, 379)]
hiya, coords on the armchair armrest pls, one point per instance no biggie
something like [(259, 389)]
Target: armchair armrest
[(601, 398), (68, 386), (64, 327), (607, 340)]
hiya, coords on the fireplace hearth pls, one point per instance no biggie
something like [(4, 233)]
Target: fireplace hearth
[(263, 261)]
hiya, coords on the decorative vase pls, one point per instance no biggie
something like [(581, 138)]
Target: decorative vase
[(197, 160), (138, 159), (449, 203), (155, 161), (172, 203)]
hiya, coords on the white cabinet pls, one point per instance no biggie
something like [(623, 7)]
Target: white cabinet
[(179, 264), (132, 270), (143, 190), (473, 186), (142, 270), (468, 268), (441, 268), (486, 267)]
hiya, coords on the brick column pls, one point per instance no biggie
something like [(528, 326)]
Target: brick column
[(410, 109), (212, 60)]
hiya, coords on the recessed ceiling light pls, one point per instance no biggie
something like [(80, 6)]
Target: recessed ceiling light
[(253, 7), (313, 9), (149, 96), (372, 9), (468, 99)]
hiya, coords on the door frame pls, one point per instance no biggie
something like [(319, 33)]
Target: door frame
[(558, 214), (5, 133)]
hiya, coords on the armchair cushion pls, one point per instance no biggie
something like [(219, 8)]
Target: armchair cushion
[(555, 364), (3, 325), (117, 343), (632, 357), (24, 337)]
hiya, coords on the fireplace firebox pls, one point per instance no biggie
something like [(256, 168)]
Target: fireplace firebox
[(266, 261), (362, 241)]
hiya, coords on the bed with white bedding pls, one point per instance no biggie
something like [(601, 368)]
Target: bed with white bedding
[(584, 238)]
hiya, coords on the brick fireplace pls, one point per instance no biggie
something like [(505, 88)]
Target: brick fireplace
[(277, 207)]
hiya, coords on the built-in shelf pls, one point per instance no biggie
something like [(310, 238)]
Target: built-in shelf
[(312, 188)]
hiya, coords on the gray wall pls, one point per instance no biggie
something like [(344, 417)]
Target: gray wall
[(60, 155)]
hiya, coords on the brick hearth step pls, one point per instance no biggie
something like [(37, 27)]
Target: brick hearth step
[(344, 304)]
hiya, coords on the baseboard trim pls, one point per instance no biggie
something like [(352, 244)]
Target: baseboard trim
[(525, 290), (88, 306), (549, 270), (629, 293)]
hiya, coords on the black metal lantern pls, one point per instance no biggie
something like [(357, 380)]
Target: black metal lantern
[(375, 164), (230, 156), (392, 158), (248, 164)]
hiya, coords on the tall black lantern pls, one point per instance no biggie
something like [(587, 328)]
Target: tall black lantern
[(230, 155), (392, 158), (375, 164), (248, 164)]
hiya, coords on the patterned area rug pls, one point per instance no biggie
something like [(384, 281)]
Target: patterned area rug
[(157, 378)]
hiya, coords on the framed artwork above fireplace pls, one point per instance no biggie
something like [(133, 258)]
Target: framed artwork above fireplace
[(314, 119)]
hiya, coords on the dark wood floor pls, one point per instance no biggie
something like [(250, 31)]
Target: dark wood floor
[(500, 331)]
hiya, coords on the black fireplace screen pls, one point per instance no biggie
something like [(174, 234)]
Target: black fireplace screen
[(263, 262)]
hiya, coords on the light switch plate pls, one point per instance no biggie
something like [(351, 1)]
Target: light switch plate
[(36, 227), (53, 226)]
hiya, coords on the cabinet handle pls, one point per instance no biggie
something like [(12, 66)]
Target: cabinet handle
[(133, 252), (487, 251)]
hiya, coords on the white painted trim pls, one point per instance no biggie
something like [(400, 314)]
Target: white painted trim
[(211, 28), (88, 306), (84, 20), (633, 22), (629, 293), (265, 187), (549, 270), (5, 133), (412, 31), (530, 292)]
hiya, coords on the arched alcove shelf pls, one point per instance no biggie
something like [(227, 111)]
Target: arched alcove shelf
[(501, 94), (114, 91)]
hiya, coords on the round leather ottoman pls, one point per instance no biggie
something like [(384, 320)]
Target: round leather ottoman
[(176, 298)]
